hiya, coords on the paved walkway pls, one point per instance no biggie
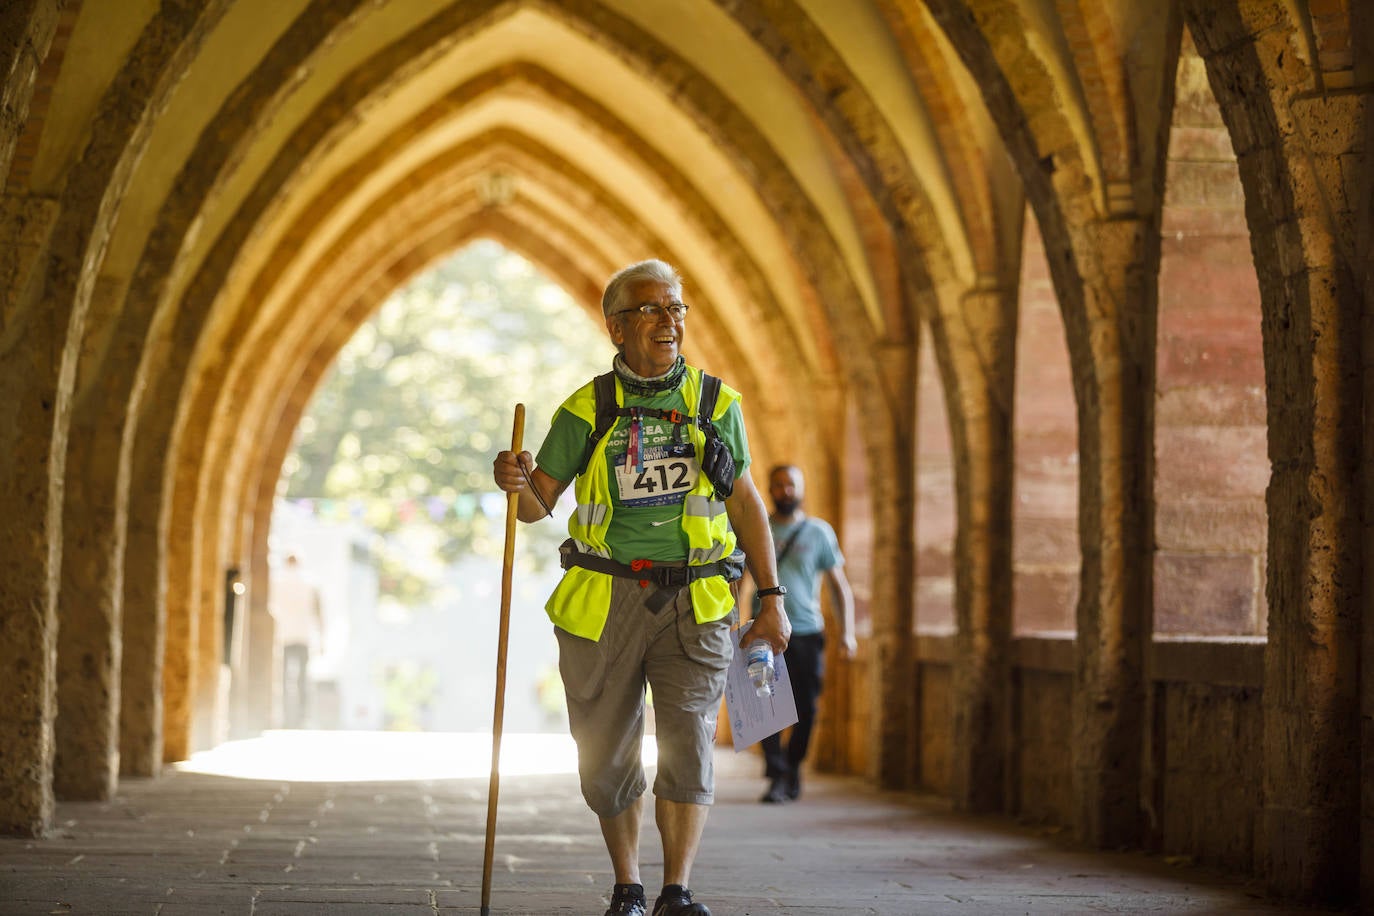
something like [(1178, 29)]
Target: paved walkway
[(198, 843)]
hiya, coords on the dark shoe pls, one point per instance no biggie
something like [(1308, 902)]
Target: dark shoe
[(777, 792), (676, 900), (792, 786), (628, 900)]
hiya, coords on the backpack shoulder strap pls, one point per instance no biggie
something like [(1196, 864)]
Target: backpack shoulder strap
[(706, 406), (787, 547), (606, 406), (607, 410), (716, 461)]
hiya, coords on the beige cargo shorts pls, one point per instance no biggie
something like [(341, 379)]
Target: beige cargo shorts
[(684, 664)]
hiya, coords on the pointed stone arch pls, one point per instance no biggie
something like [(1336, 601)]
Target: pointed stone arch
[(260, 484), (1291, 134), (58, 281), (1103, 248), (191, 566)]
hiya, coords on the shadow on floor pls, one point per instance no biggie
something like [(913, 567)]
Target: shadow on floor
[(199, 843)]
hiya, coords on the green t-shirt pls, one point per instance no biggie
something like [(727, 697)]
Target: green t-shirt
[(646, 499)]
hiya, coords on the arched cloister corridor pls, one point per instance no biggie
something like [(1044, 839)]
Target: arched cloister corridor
[(1024, 286)]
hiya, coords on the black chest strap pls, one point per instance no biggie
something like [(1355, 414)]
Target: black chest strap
[(608, 412)]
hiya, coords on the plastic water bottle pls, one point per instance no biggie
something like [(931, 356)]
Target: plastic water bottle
[(760, 658)]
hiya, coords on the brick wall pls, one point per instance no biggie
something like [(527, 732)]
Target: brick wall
[(1210, 447), (935, 506), (1045, 556)]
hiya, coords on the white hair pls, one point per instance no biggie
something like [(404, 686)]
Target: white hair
[(654, 269)]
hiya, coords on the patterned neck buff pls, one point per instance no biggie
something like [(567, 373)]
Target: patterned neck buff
[(640, 386)]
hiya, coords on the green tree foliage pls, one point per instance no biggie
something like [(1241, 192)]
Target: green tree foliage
[(402, 432), (409, 691)]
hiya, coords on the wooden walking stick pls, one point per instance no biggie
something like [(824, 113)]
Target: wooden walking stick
[(494, 787)]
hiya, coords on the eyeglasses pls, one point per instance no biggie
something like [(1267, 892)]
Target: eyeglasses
[(653, 311)]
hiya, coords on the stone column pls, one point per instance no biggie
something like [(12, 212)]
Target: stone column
[(32, 449), (1112, 345), (180, 664), (144, 624), (30, 532), (27, 30), (90, 601), (1362, 24), (208, 700), (250, 712), (892, 489), (981, 413), (36, 372), (1298, 138)]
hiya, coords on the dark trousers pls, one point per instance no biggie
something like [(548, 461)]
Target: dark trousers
[(805, 659)]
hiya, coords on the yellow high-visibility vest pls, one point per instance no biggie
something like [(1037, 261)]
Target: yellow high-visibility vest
[(582, 600)]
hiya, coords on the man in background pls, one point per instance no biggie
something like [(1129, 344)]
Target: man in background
[(294, 602), (807, 553)]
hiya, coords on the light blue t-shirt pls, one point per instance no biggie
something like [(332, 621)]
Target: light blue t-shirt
[(815, 550)]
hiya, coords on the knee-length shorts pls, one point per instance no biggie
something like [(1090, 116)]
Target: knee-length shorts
[(683, 663)]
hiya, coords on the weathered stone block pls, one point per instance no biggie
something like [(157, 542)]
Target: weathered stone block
[(1182, 227), (1039, 541), (936, 518), (1219, 355), (26, 226), (1044, 766), (1209, 273), (1354, 170), (1044, 599), (1207, 143), (1210, 405), (1205, 184), (1230, 661), (935, 560), (1222, 461), (1211, 778), (1330, 124), (1198, 523), (1046, 489), (1206, 594), (936, 726), (934, 603)]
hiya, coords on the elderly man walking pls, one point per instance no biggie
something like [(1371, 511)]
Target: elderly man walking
[(659, 454)]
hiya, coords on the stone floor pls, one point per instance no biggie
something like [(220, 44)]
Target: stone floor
[(198, 843)]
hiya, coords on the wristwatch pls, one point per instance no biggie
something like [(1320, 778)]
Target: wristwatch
[(778, 590)]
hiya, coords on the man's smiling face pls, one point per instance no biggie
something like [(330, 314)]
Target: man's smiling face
[(650, 345)]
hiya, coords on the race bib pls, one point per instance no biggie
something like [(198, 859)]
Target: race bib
[(670, 472)]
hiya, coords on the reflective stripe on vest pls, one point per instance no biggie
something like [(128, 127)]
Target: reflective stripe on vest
[(582, 600), (594, 551), (590, 516)]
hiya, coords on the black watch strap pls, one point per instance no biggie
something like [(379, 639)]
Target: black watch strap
[(778, 590)]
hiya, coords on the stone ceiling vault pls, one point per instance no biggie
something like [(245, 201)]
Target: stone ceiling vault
[(823, 174), (203, 199)]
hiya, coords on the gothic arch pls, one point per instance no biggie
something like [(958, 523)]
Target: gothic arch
[(201, 200), (188, 564), (1290, 133)]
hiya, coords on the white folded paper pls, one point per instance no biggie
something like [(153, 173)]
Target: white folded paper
[(752, 717)]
